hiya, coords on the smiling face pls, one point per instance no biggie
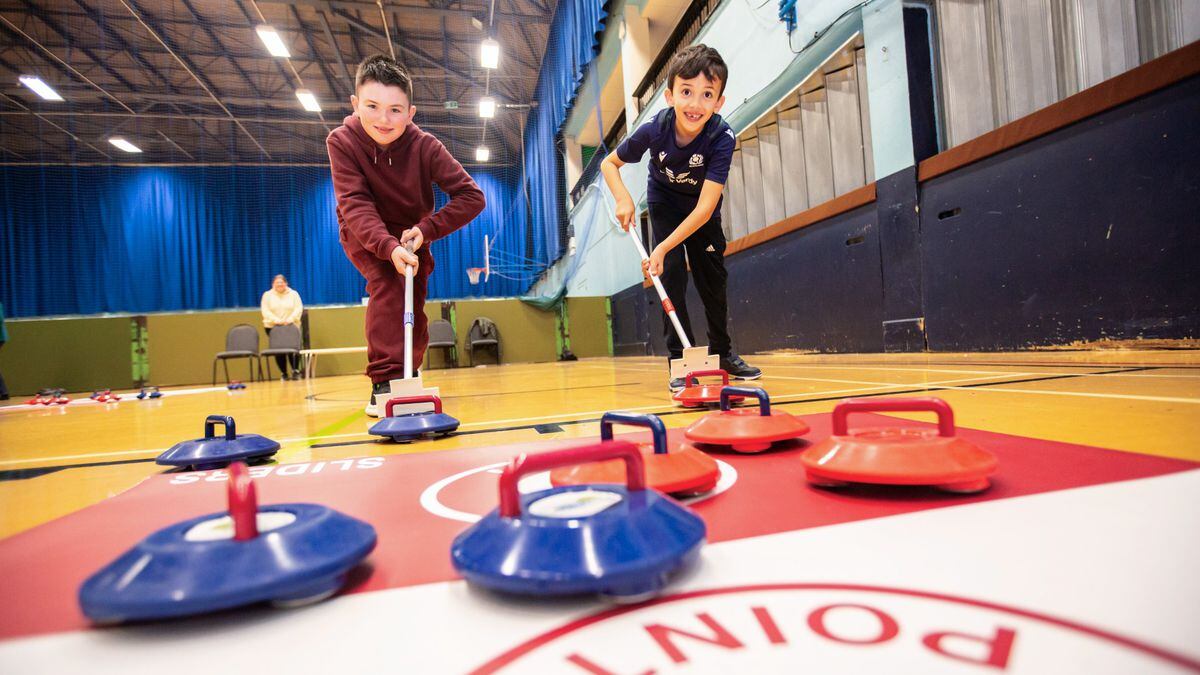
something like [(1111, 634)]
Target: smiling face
[(695, 100), (384, 111), (279, 285)]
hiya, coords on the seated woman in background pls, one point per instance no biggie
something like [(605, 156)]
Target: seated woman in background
[(281, 306)]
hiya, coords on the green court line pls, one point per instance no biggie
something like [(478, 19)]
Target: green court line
[(336, 426)]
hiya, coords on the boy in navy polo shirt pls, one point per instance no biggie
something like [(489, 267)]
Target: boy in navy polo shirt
[(690, 151)]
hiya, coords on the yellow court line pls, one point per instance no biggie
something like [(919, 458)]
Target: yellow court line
[(898, 384), (870, 386), (1013, 373), (779, 399), (936, 385), (996, 372), (1128, 397), (867, 386), (545, 418)]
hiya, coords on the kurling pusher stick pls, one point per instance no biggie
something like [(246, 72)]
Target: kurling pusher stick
[(694, 358), (409, 386)]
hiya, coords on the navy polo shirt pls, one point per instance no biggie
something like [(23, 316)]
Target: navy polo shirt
[(677, 174)]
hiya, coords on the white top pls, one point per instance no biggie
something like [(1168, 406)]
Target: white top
[(281, 308)]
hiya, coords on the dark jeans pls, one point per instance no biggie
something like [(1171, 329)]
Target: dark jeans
[(282, 360), (708, 271)]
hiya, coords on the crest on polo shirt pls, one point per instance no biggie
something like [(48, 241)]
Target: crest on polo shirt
[(679, 178), (696, 160), (662, 155)]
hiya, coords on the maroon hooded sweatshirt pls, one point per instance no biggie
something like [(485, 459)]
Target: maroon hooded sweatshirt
[(381, 192)]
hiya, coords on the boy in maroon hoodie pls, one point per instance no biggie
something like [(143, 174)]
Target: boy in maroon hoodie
[(384, 168)]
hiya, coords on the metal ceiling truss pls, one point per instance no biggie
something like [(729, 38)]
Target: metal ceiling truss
[(190, 81)]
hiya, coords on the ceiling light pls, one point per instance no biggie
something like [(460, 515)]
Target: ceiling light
[(487, 107), (272, 40), (489, 53), (124, 144), (44, 90), (482, 153), (308, 100)]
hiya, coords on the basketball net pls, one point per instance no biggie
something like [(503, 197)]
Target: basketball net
[(473, 274)]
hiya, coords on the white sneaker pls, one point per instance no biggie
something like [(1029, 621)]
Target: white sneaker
[(377, 390)]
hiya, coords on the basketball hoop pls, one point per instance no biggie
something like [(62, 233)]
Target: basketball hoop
[(473, 274)]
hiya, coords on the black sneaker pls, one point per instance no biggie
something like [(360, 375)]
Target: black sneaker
[(739, 369), (377, 389), (677, 385)]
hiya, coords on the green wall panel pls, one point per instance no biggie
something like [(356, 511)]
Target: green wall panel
[(83, 354), (181, 346), (78, 355), (332, 327), (587, 320), (527, 334)]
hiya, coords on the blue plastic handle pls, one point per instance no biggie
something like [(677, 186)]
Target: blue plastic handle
[(651, 422), (212, 420), (764, 402)]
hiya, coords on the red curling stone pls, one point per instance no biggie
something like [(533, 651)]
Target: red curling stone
[(681, 472), (898, 455), (746, 430), (696, 395)]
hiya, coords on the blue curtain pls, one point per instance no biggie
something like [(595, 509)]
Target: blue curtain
[(89, 240), (574, 33), (454, 254)]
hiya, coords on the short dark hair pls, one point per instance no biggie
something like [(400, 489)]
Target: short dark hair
[(694, 60), (385, 70)]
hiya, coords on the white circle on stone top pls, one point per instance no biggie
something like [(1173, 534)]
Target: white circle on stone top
[(219, 529), (574, 504)]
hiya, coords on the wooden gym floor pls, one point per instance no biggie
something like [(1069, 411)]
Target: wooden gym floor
[(56, 460)]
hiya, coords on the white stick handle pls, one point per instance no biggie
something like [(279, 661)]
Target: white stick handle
[(408, 319), (662, 293)]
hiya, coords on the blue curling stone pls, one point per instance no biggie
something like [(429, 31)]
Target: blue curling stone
[(410, 426), (215, 452), (302, 554), (626, 550)]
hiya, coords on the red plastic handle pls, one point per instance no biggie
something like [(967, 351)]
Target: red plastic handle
[(693, 377), (401, 400), (243, 502), (510, 499), (926, 404)]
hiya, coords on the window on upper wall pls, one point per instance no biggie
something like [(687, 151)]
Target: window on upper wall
[(811, 147), (1000, 60)]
